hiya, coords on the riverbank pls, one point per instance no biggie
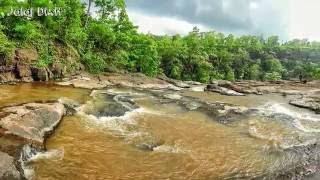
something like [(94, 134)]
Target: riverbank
[(27, 125)]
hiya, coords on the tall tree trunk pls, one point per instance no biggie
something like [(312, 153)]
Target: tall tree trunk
[(88, 12)]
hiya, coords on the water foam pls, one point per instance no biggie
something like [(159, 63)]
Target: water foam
[(279, 108), (296, 117), (53, 154), (30, 155), (168, 149)]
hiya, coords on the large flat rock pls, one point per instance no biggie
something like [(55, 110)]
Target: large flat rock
[(31, 121), (8, 170), (309, 102)]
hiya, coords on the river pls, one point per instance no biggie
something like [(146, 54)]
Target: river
[(159, 139)]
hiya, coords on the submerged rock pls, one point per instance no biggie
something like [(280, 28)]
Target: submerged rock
[(8, 171), (222, 112), (105, 104), (105, 109), (70, 105), (150, 144), (31, 121)]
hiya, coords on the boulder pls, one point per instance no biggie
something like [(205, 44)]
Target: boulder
[(181, 84), (237, 88), (3, 60), (312, 103), (31, 121), (7, 77), (70, 105), (222, 90), (23, 70), (42, 74), (26, 55), (8, 171), (59, 70), (149, 144)]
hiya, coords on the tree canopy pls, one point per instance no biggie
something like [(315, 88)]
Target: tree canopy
[(109, 40)]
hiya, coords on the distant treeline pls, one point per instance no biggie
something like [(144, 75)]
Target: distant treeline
[(109, 41)]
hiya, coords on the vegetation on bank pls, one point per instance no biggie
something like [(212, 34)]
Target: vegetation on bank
[(108, 41)]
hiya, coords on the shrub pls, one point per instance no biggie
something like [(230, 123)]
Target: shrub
[(93, 62), (274, 76), (6, 46)]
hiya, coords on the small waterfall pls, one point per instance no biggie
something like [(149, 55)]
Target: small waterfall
[(280, 111), (282, 128), (29, 155)]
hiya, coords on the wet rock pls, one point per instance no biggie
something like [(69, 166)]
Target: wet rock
[(198, 88), (221, 112), (222, 83), (222, 90), (181, 84), (309, 102), (150, 144), (7, 77), (8, 171), (26, 55), (193, 83), (32, 121), (153, 86), (234, 109), (177, 83), (105, 109), (70, 105), (109, 105), (24, 72), (192, 105), (126, 101), (3, 60), (59, 70), (85, 83), (237, 88), (173, 96), (39, 74)]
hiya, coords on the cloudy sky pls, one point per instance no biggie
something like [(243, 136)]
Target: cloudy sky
[(287, 18)]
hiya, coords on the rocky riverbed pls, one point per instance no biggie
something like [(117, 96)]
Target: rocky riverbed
[(27, 123)]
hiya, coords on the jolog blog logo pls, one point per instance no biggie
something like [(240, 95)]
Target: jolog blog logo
[(30, 12)]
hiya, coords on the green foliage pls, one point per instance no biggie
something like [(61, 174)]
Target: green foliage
[(93, 62), (143, 55), (6, 46), (274, 76), (44, 60), (28, 31), (109, 40)]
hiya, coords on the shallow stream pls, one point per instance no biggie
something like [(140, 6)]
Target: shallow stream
[(156, 139)]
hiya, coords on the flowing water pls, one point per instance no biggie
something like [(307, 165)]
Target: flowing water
[(157, 140)]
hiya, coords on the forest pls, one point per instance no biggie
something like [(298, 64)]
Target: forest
[(107, 41)]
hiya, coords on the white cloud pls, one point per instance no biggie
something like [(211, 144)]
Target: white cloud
[(287, 18), (304, 19), (162, 25)]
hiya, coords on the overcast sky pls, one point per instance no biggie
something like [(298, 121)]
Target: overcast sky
[(287, 18)]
